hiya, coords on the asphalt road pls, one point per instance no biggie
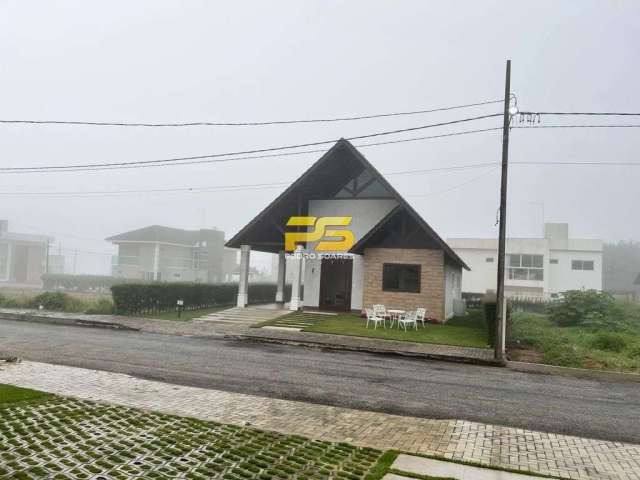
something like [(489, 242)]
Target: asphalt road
[(413, 387)]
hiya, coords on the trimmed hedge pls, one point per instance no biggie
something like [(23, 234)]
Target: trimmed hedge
[(135, 298), (79, 283), (490, 305)]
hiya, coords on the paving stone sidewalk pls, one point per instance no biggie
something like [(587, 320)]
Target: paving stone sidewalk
[(551, 454), (204, 326)]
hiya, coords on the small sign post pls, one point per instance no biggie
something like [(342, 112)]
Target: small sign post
[(180, 306)]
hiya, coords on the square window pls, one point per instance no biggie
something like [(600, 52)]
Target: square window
[(576, 264), (538, 261), (399, 277), (587, 265), (553, 261), (513, 260), (489, 260), (536, 274)]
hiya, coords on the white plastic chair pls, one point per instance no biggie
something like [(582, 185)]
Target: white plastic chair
[(372, 317), (420, 315), (408, 318), (380, 311)]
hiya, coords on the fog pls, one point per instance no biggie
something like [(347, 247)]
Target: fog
[(177, 61)]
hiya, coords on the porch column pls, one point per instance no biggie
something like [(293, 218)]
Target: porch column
[(156, 262), (296, 301), (282, 275), (243, 283)]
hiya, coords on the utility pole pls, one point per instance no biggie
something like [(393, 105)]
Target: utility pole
[(502, 238)]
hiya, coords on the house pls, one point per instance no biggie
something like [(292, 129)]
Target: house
[(535, 267), (360, 242), (22, 256), (169, 254)]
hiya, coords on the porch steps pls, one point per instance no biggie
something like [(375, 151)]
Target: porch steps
[(298, 320), (242, 317)]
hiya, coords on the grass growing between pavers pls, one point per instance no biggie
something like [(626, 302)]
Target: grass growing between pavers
[(465, 331), (185, 315), (63, 438)]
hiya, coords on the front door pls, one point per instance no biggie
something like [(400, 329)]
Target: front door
[(335, 284)]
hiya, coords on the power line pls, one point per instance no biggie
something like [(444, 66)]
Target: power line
[(247, 124), (455, 187), (281, 154), (612, 164), (269, 185), (218, 188), (98, 166), (580, 126), (608, 114)]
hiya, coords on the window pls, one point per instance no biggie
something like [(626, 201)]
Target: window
[(489, 259), (525, 267), (397, 277), (553, 261), (581, 264)]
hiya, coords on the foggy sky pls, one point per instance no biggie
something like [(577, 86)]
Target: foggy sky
[(158, 61)]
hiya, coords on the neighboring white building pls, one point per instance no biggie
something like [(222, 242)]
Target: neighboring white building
[(536, 267)]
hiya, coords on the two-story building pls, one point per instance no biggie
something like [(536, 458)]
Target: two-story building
[(536, 267), (23, 256), (159, 253)]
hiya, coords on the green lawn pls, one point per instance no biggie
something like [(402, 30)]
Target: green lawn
[(467, 331), (185, 315), (10, 394)]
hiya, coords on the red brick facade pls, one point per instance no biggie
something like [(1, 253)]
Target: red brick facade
[(431, 295)]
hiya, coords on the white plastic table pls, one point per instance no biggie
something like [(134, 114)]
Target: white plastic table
[(395, 314)]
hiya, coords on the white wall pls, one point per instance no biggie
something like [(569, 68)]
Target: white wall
[(452, 290), (483, 275), (563, 277), (312, 282), (365, 213), (357, 283)]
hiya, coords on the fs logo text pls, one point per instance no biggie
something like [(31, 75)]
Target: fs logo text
[(319, 228)]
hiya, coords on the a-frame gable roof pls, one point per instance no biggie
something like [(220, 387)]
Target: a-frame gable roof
[(322, 180)]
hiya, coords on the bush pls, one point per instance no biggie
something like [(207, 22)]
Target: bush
[(489, 305), (103, 306), (634, 351), (131, 298), (583, 308), (79, 283), (611, 342), (57, 301), (529, 305)]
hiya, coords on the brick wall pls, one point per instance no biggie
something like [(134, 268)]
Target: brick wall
[(431, 295)]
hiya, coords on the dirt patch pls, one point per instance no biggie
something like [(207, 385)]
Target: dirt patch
[(525, 354)]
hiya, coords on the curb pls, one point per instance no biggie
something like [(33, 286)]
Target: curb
[(74, 322), (378, 351), (583, 373)]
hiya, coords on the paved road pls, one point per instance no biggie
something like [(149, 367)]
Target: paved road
[(389, 384)]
